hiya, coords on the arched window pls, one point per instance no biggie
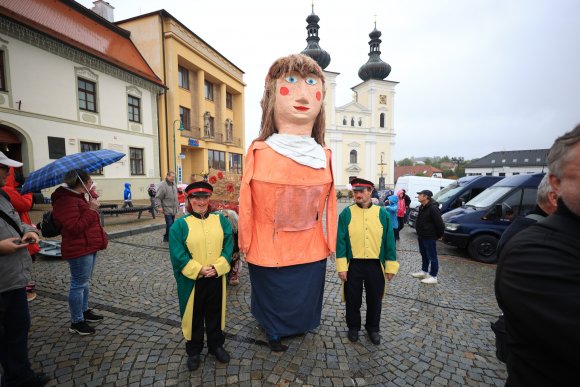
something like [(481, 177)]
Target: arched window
[(382, 120), (352, 121), (353, 156), (359, 121), (344, 120)]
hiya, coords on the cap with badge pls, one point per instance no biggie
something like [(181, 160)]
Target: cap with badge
[(359, 184), (4, 160), (425, 192), (199, 188)]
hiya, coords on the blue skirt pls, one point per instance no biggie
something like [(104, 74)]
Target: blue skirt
[(287, 301)]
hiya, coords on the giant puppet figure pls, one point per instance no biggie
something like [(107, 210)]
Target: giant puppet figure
[(286, 185)]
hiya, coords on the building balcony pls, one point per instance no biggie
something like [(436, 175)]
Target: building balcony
[(213, 136)]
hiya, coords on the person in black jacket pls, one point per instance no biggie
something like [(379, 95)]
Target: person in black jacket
[(538, 282), (430, 227)]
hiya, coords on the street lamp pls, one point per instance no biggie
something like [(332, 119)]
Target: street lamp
[(181, 128)]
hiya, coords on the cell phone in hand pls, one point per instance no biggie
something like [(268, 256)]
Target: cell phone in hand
[(25, 241)]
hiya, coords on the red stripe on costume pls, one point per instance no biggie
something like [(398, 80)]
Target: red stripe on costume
[(199, 190)]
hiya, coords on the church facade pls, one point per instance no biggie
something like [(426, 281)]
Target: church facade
[(361, 133)]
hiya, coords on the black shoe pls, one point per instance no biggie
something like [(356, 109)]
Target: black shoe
[(220, 354), (193, 362), (277, 346), (92, 317), (353, 335), (82, 328), (36, 379), (375, 338)]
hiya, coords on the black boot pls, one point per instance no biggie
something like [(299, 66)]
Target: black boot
[(276, 345), (193, 362)]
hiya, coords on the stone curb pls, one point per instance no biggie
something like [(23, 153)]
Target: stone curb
[(135, 231)]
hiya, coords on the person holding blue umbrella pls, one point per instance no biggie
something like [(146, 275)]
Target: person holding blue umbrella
[(75, 210)]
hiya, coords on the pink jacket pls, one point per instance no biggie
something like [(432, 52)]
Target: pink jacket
[(402, 208)]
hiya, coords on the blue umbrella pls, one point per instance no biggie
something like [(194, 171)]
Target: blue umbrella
[(53, 173)]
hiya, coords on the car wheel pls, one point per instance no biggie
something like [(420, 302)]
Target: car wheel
[(483, 248)]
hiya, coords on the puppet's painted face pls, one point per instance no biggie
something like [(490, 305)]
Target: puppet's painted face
[(298, 101)]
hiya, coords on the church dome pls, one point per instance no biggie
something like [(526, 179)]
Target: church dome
[(375, 68), (312, 49)]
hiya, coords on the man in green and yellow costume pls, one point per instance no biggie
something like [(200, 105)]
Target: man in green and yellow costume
[(200, 248), (365, 257)]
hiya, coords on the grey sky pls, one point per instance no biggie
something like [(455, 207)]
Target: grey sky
[(475, 76)]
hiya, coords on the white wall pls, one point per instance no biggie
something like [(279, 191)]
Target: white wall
[(46, 86)]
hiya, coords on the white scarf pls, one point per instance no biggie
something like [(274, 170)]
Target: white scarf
[(302, 149)]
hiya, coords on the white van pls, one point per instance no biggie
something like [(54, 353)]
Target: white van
[(414, 184)]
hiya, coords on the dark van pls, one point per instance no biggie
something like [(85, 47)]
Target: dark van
[(458, 193), (479, 224)]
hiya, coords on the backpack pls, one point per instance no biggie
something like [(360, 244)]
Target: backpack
[(48, 226)]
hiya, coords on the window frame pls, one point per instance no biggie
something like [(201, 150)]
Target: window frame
[(89, 147), (353, 156), (211, 159), (229, 101), (85, 92), (235, 163), (185, 112), (208, 90), (136, 162), (182, 77), (3, 79), (132, 108)]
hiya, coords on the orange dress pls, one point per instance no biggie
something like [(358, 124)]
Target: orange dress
[(281, 207)]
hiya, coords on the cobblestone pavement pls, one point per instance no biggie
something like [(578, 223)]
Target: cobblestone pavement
[(432, 335)]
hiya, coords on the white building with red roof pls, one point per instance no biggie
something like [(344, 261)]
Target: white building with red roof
[(71, 81)]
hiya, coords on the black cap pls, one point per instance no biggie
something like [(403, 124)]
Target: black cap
[(359, 184), (199, 188), (426, 192)]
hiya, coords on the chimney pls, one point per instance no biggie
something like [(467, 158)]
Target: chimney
[(104, 9)]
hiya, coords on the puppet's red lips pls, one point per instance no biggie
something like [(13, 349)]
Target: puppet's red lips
[(301, 108)]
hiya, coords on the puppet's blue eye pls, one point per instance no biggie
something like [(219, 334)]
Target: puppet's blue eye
[(311, 81), (291, 79)]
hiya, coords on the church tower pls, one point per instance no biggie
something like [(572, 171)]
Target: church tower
[(361, 133), (321, 57)]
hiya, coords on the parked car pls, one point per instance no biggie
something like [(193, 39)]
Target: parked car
[(458, 193), (478, 225)]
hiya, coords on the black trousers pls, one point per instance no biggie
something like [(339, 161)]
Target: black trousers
[(366, 273), (14, 326), (207, 310)]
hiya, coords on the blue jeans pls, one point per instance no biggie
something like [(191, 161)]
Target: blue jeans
[(428, 250), (169, 219), (81, 272)]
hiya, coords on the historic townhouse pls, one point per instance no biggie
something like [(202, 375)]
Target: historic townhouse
[(70, 81), (202, 113)]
